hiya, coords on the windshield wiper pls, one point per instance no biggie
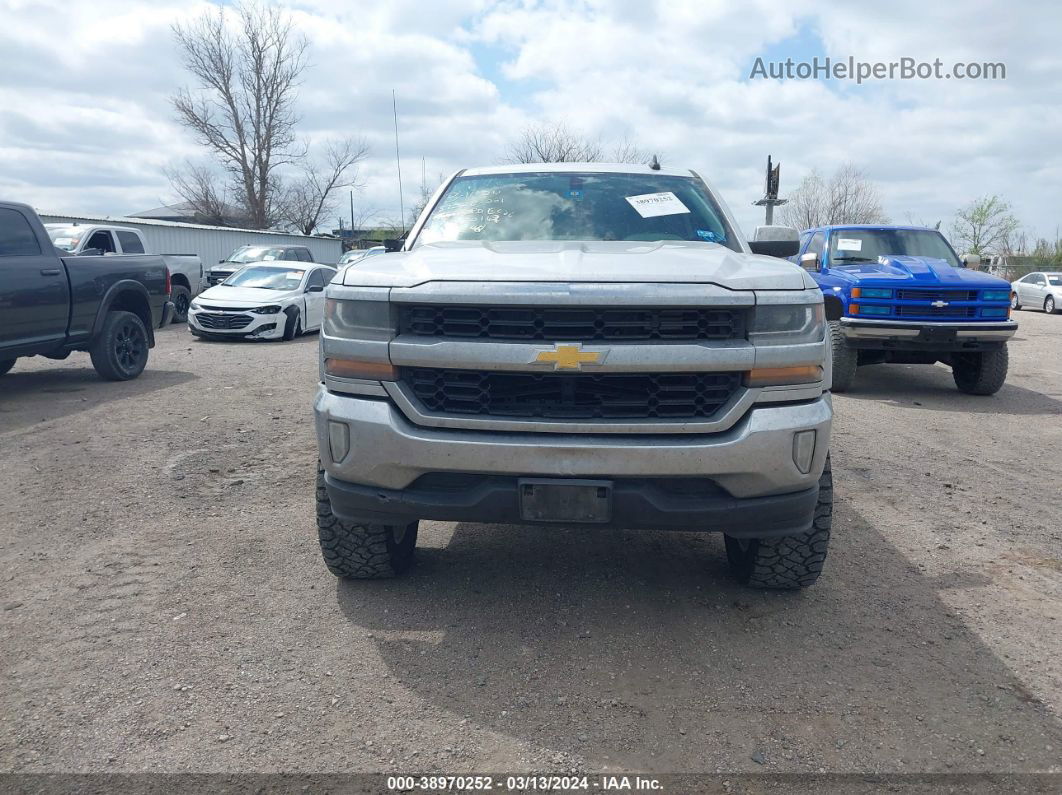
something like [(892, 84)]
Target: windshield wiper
[(853, 259)]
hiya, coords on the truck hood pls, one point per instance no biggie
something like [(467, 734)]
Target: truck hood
[(563, 261), (252, 296), (917, 271)]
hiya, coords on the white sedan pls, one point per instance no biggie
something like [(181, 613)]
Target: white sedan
[(262, 301)]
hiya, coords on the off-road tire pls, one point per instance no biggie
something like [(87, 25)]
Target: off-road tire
[(361, 551), (6, 365), (1049, 305), (120, 352), (845, 359), (1015, 302), (293, 325), (182, 299), (981, 373), (787, 562)]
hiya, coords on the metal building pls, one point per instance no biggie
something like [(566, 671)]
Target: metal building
[(211, 243)]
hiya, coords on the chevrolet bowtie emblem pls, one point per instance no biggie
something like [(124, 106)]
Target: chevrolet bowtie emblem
[(939, 304), (569, 357)]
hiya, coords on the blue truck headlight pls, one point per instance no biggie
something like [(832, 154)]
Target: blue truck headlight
[(874, 292), (870, 309), (994, 311), (995, 295)]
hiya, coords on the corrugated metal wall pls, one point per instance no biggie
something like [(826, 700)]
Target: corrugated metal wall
[(211, 243)]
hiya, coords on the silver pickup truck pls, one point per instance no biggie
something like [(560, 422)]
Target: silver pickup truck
[(582, 345)]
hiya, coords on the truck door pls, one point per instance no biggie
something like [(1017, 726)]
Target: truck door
[(34, 294)]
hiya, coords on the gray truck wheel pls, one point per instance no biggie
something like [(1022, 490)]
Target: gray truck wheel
[(980, 373), (120, 352), (182, 299), (6, 364), (788, 562), (845, 359), (361, 551)]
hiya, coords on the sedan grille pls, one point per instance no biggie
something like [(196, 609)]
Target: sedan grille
[(217, 321), (614, 324), (615, 396), (936, 295)]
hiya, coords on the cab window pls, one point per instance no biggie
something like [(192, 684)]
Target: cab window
[(101, 240)]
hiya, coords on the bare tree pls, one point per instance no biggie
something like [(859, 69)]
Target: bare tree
[(242, 106), (627, 151), (310, 198), (552, 143), (847, 197), (983, 226), (201, 189)]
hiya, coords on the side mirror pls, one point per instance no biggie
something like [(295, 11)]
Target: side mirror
[(91, 252), (220, 261), (392, 245), (775, 241), (971, 260), (810, 261), (315, 288)]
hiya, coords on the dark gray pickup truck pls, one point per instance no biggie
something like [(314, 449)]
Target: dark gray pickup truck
[(52, 305)]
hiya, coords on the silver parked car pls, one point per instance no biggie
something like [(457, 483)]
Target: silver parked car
[(1040, 290)]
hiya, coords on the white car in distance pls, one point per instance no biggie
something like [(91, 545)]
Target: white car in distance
[(262, 301)]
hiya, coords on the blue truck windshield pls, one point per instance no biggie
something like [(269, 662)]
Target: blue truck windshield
[(577, 206), (852, 246)]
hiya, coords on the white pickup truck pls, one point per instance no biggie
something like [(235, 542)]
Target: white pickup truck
[(588, 345), (186, 270)]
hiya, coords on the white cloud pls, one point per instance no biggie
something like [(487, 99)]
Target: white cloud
[(86, 124)]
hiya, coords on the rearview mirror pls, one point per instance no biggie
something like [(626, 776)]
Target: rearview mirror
[(775, 241), (392, 245), (809, 261)]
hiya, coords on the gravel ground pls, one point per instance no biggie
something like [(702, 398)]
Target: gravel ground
[(165, 607)]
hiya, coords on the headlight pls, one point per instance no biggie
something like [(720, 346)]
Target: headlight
[(195, 305), (272, 309), (996, 295), (357, 320), (787, 324), (871, 292)]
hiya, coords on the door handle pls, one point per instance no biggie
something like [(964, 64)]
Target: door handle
[(50, 271)]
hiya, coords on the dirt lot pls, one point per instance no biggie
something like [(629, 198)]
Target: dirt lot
[(165, 607)]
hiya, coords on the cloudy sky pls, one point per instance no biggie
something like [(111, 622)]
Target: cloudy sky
[(86, 125)]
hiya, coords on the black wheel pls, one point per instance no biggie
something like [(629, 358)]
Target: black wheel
[(293, 325), (1015, 304), (845, 359), (980, 373), (120, 352), (362, 551), (788, 562), (182, 299), (1049, 305), (6, 365)]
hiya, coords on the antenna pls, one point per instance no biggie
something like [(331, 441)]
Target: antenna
[(398, 163), (654, 164)]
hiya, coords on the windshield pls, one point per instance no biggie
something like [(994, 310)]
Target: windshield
[(266, 278), (577, 206), (255, 254), (1054, 279), (852, 246), (64, 237)]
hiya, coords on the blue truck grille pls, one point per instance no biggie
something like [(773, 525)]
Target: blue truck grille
[(618, 396), (936, 295), (936, 311)]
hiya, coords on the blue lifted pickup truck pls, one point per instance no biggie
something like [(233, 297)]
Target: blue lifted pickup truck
[(901, 294)]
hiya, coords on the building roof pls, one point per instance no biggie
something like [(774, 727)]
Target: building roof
[(126, 219), (179, 210)]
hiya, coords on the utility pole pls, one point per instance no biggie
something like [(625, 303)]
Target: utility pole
[(352, 215), (770, 198), (398, 162)]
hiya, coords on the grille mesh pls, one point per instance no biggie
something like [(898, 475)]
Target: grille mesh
[(936, 311), (572, 323), (207, 320), (616, 396), (936, 295)]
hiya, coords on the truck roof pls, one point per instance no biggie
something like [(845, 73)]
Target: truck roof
[(604, 168), (829, 227)]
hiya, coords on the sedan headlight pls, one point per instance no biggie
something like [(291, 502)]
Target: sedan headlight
[(195, 305), (787, 324), (357, 320), (272, 309)]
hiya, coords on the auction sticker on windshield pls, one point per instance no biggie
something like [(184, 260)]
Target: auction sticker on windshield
[(650, 205), (849, 244)]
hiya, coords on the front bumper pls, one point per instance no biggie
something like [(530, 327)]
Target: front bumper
[(260, 326), (753, 458), (899, 335), (168, 311)]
